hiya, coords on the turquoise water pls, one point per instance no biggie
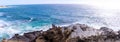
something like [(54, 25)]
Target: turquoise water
[(25, 18)]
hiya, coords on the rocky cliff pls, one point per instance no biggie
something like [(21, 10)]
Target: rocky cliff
[(71, 33)]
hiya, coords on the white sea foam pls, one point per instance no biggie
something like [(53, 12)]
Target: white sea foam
[(105, 18), (101, 18), (8, 29)]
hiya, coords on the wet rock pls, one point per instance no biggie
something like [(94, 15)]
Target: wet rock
[(53, 26)]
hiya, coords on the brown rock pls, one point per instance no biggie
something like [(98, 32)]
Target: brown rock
[(4, 40), (40, 39), (72, 33), (18, 37)]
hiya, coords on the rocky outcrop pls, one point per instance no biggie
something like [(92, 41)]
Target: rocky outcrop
[(72, 33)]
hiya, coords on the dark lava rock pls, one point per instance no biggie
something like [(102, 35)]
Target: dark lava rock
[(106, 29), (72, 33)]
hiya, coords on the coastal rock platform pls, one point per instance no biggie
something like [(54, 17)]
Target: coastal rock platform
[(71, 33)]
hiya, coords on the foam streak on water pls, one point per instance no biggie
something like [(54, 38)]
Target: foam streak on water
[(26, 18)]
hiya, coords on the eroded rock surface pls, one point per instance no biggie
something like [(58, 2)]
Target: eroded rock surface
[(72, 33)]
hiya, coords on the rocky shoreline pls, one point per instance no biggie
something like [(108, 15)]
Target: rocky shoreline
[(71, 33)]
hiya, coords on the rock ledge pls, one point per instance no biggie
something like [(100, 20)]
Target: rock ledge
[(72, 33)]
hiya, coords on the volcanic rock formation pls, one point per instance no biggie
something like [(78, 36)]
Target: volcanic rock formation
[(71, 33)]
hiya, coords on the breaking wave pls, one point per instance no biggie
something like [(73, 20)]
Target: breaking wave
[(27, 18)]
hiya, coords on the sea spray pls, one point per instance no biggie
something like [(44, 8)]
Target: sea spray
[(26, 18)]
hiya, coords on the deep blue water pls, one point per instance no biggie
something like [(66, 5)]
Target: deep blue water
[(39, 15), (26, 18)]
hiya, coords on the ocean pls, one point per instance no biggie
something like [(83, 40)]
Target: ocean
[(26, 18)]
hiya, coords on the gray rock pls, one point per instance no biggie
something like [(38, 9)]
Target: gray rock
[(72, 33)]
